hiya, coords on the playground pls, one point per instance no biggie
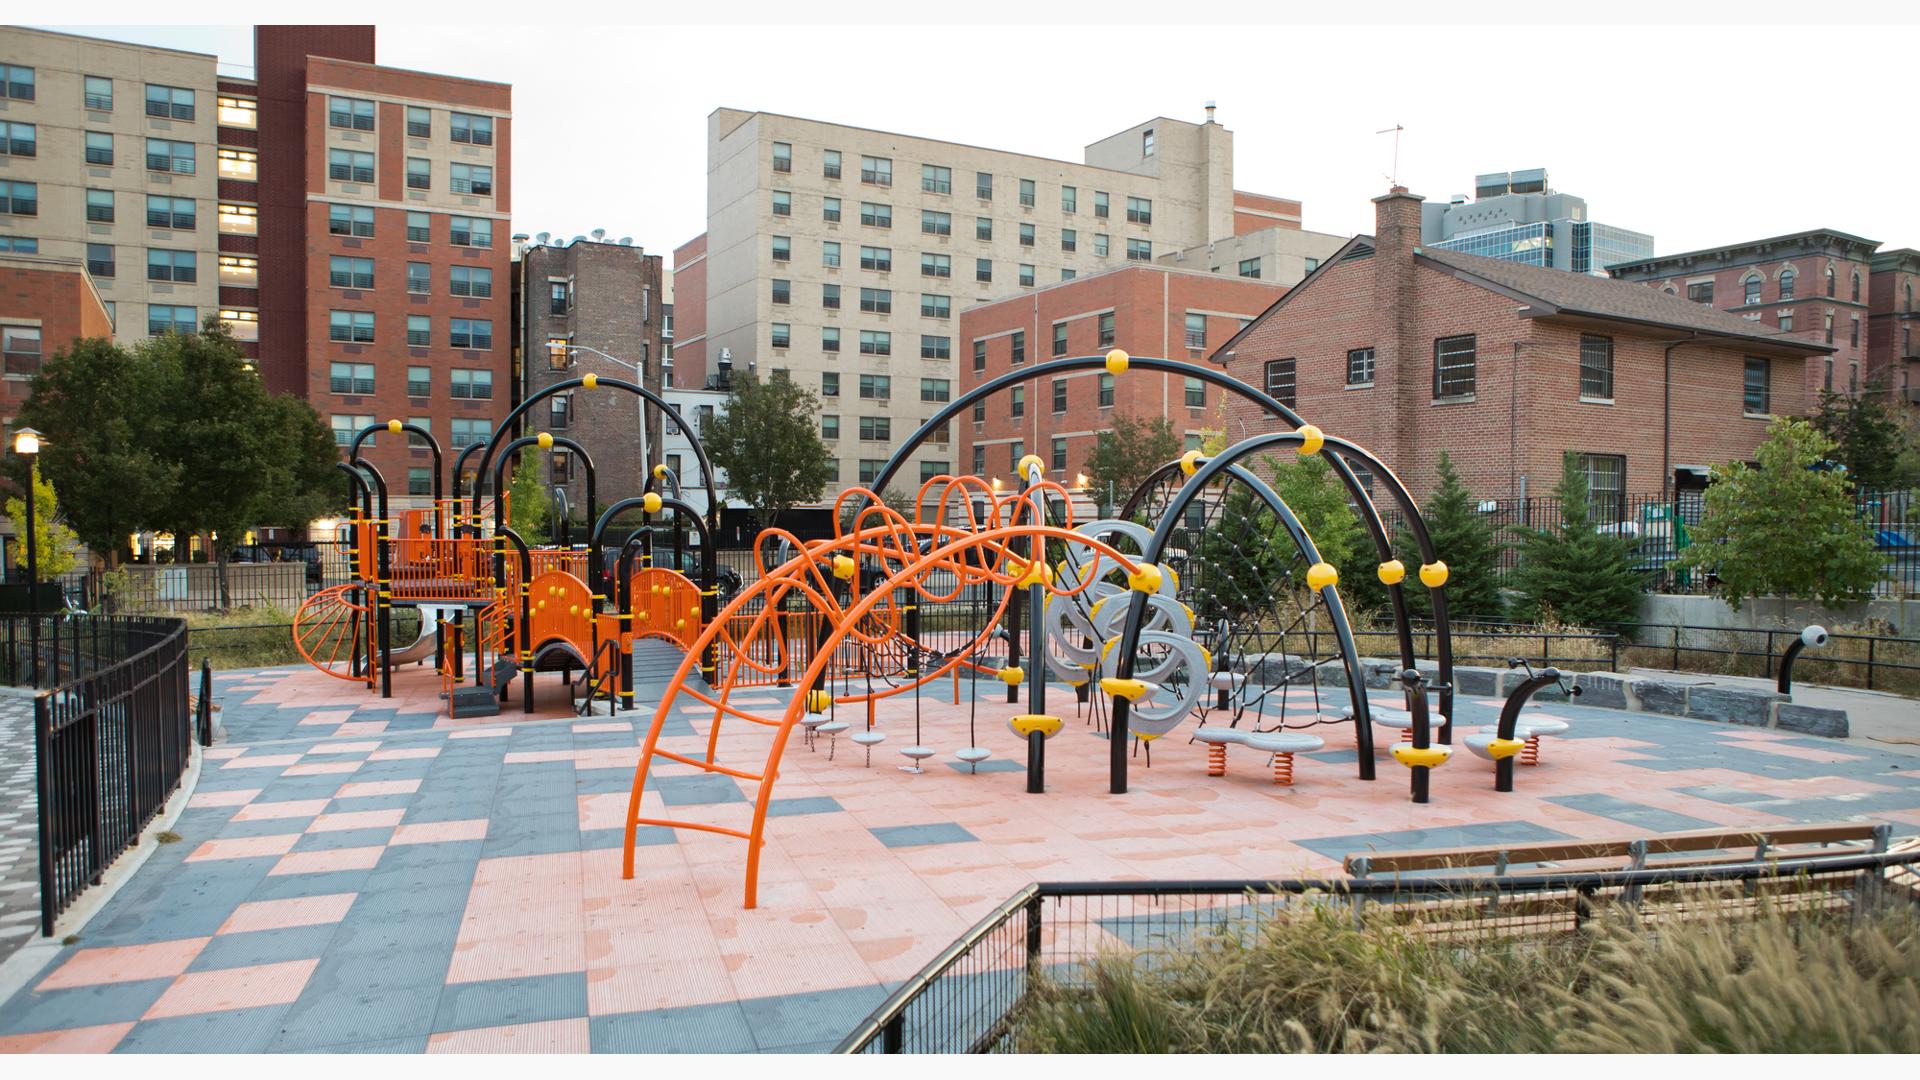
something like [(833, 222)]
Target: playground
[(591, 807)]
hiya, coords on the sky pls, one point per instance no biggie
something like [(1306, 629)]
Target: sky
[(1699, 135)]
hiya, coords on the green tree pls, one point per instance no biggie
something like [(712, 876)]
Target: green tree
[(1575, 573), (1786, 528), (1870, 439), (1318, 498), (1241, 562), (1126, 454), (1467, 542), (529, 502), (300, 478), (768, 441), (53, 541)]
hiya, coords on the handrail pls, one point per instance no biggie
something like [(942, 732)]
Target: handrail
[(610, 648)]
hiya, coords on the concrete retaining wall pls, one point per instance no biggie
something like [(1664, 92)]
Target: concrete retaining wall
[(1771, 613)]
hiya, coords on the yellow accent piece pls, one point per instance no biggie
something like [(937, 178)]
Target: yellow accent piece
[(1146, 579), (1206, 658), (1117, 361), (844, 567), (1012, 676), (1392, 572), (1434, 574), (1505, 748), (1027, 723), (659, 472), (1131, 689), (589, 380), (650, 502), (1320, 575), (1175, 574), (818, 701), (1311, 440), (545, 439), (1031, 460), (1107, 646), (644, 617), (680, 624), (574, 610), (1190, 462), (1093, 612), (1413, 757), (394, 426)]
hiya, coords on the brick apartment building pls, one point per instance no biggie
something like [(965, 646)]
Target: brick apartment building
[(1150, 310), (1892, 356), (1812, 285), (1410, 351)]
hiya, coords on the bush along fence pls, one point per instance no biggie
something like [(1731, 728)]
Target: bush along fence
[(111, 744)]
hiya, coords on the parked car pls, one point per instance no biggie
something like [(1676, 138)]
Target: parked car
[(726, 579), (296, 551)]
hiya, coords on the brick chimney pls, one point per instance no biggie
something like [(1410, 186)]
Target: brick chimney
[(1400, 364)]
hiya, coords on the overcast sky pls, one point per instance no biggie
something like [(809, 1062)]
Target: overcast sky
[(1698, 135)]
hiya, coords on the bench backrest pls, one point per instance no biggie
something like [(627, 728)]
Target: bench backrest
[(1761, 840)]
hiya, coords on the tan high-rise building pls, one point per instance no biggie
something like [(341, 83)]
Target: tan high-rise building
[(844, 256)]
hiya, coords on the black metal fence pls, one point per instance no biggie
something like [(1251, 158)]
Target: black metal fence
[(110, 744), (967, 999), (1875, 662)]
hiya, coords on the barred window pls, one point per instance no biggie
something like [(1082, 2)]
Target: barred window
[(1453, 365), (1280, 381), (1596, 367), (1758, 398), (1359, 367)]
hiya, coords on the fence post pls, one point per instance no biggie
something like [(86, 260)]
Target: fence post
[(1676, 648), (1871, 641), (893, 1037), (1033, 936), (204, 712), (1768, 670)]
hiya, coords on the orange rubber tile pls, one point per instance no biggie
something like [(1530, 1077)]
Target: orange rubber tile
[(340, 821), (439, 832), (98, 1039), (361, 727), (405, 754), (344, 748), (370, 788), (320, 862), (243, 847), (124, 963), (262, 761), (545, 1037), (321, 768), (280, 914), (274, 811), (233, 988), (240, 797)]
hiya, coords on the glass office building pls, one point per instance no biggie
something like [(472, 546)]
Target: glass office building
[(1531, 244), (1518, 217)]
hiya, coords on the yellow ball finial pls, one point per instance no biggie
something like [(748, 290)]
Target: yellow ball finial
[(394, 426), (1433, 574), (1311, 440), (574, 610), (1320, 575), (843, 567), (1012, 676), (1146, 579), (545, 440), (650, 502), (1392, 572), (1190, 462), (1117, 361), (1031, 461), (589, 381), (659, 472)]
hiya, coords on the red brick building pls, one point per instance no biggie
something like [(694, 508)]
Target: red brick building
[(1411, 351), (45, 303), (1893, 306), (1150, 310)]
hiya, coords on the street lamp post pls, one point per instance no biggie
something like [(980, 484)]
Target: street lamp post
[(26, 443)]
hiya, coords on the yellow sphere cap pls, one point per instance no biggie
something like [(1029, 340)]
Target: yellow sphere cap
[(843, 567), (545, 440), (1012, 676), (1146, 579), (1031, 461), (574, 610), (1117, 361), (1433, 574), (590, 380), (679, 624), (650, 502), (394, 426), (1392, 572), (659, 472), (818, 700), (1320, 575), (1311, 439), (1190, 462)]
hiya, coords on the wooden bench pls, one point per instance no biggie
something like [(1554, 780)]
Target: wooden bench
[(1698, 847)]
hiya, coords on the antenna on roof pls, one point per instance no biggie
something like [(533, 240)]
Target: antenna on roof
[(1393, 179)]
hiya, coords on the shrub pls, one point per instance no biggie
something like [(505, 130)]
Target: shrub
[(1574, 573)]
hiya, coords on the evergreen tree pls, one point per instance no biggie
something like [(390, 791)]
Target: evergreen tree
[(767, 440), (529, 502), (1871, 440), (1466, 541), (1574, 573), (1241, 562), (1318, 498)]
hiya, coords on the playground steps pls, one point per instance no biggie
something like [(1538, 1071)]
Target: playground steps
[(482, 699)]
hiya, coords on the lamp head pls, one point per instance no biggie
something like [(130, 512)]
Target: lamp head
[(26, 441)]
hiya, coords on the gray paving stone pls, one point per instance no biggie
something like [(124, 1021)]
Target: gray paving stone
[(1811, 720), (1749, 707), (1661, 697)]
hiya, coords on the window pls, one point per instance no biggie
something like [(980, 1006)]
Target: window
[(782, 291), (99, 148), (344, 428), (829, 426), (1026, 193), (419, 277), (870, 469), (1280, 384), (1139, 250), (1019, 341), (830, 296), (1106, 329), (1100, 208), (830, 340), (931, 265), (979, 356), (470, 281), (349, 273), (1069, 199), (931, 469), (1700, 292), (470, 179), (1596, 367), (468, 128), (350, 326), (783, 157), (829, 209), (21, 245), (783, 204), (1853, 337), (936, 223), (164, 265), (782, 334), (1196, 330), (419, 382), (243, 325), (1069, 240), (1139, 211), (1606, 485), (163, 319), (1758, 399), (983, 185), (98, 94), (169, 102), (875, 258), (1026, 275), (876, 301), (1830, 282), (470, 333), (342, 112), (1751, 290), (419, 227), (1059, 452), (979, 460), (419, 481), (16, 82), (1359, 367), (467, 432), (1026, 235), (935, 306), (1146, 143), (876, 429), (830, 165), (875, 343), (980, 412), (878, 215), (1066, 273), (419, 174), (829, 253), (1016, 450), (419, 331), (238, 220), (937, 179), (351, 379), (936, 390), (983, 269), (349, 220), (1250, 268), (933, 347), (19, 140), (1018, 404), (474, 384), (876, 170), (470, 232), (353, 166), (1453, 366), (167, 156), (1856, 286), (1829, 327), (830, 382), (419, 122), (237, 112), (1100, 244), (1312, 264), (1059, 339), (20, 347), (100, 260), (99, 205), (1786, 322), (237, 164), (876, 387)]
